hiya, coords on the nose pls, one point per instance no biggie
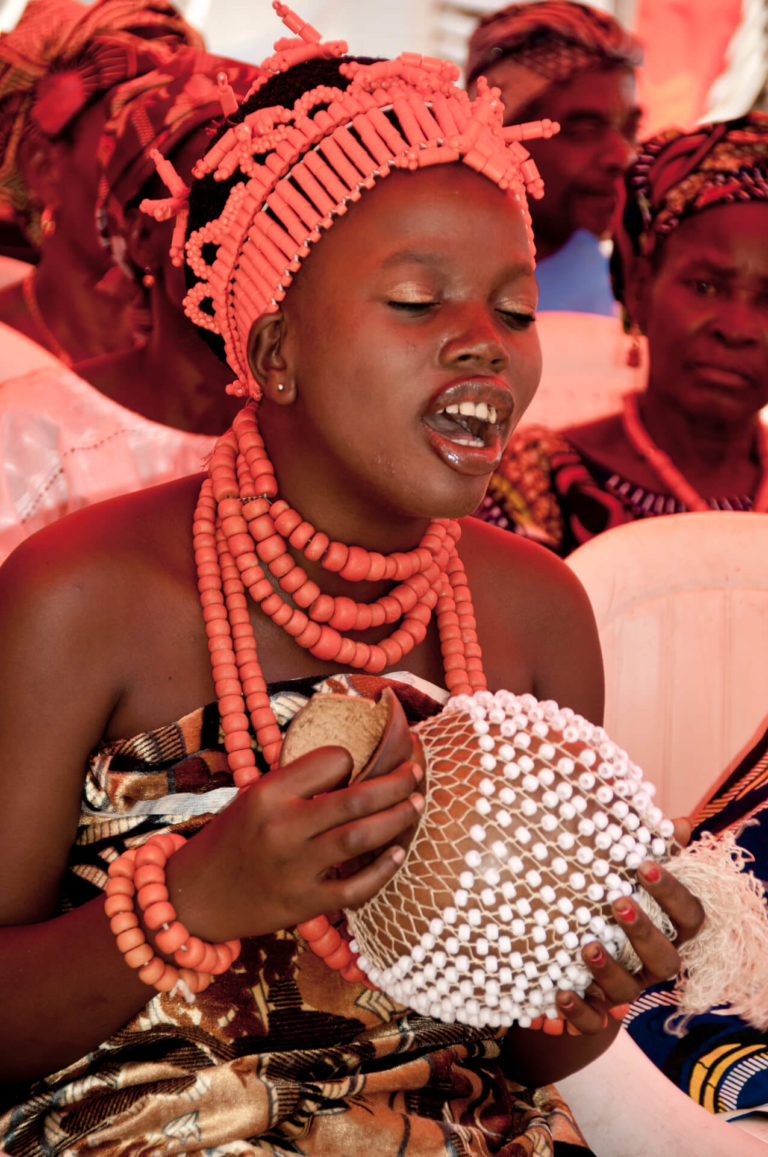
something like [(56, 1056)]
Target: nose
[(619, 152), (474, 342), (738, 321)]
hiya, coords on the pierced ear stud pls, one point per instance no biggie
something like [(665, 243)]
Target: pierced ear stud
[(280, 387)]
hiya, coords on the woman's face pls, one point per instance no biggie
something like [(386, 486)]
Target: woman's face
[(409, 339), (705, 313)]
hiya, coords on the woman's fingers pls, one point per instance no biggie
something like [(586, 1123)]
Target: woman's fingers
[(682, 907)]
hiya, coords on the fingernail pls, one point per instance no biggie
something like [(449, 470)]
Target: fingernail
[(418, 771), (619, 1011), (625, 912), (397, 853), (417, 801), (650, 872), (566, 1001), (571, 1029), (595, 955)]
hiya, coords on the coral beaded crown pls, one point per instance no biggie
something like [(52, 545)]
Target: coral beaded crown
[(300, 168)]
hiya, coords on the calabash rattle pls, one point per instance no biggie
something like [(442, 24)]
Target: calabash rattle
[(534, 823)]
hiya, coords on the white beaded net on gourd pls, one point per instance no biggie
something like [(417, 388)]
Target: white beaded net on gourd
[(534, 822)]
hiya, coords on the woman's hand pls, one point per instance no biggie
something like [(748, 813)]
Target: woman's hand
[(614, 988), (268, 860)]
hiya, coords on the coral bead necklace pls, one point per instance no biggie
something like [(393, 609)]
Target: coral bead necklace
[(242, 532)]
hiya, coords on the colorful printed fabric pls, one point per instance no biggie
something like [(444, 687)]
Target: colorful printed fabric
[(677, 174), (547, 490), (280, 1055), (158, 110), (61, 55), (721, 1062), (555, 38)]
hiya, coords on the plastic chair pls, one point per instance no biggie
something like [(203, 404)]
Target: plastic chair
[(681, 603), (584, 368)]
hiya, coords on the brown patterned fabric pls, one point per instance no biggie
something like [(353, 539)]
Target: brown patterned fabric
[(554, 38), (280, 1055), (547, 490)]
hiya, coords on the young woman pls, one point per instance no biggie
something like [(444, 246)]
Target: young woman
[(391, 350), (691, 269)]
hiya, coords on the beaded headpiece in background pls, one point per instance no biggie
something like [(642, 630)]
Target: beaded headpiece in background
[(555, 39), (300, 168), (677, 174)]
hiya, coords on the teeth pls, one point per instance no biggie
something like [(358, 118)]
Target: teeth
[(480, 410)]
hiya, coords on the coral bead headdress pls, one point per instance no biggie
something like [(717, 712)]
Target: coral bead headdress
[(292, 171)]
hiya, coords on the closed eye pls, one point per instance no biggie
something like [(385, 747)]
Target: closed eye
[(412, 306), (517, 319)]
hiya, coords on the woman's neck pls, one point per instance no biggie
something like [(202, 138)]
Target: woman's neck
[(86, 322), (173, 378), (712, 454)]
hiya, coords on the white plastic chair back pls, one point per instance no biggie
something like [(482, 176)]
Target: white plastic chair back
[(584, 368), (681, 603)]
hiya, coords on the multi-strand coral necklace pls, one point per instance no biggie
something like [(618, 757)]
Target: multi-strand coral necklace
[(246, 540)]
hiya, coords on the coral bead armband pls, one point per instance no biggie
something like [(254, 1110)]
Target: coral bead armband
[(137, 879)]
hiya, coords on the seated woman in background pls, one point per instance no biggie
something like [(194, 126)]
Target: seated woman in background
[(335, 253), (691, 270), (57, 66), (144, 412)]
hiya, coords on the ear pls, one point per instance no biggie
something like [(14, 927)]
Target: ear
[(267, 360), (40, 165), (636, 292)]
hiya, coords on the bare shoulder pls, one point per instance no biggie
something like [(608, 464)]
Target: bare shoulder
[(79, 591), (535, 621)]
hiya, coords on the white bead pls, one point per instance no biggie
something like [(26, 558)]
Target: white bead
[(488, 897), (565, 765), (522, 835), (461, 898), (530, 784), (595, 892), (488, 762), (604, 794), (529, 808), (586, 827), (564, 791), (474, 916), (507, 796), (548, 894), (577, 881), (567, 811), (477, 833), (450, 915), (483, 806), (486, 743), (550, 800), (473, 859), (526, 763), (515, 864), (540, 852), (560, 925), (586, 781), (503, 818), (549, 822), (522, 740), (584, 856), (541, 952), (582, 914), (571, 940), (538, 935), (565, 905), (518, 928), (600, 820), (559, 866), (587, 757), (523, 907)]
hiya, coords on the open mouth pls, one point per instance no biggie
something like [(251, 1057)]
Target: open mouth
[(466, 423)]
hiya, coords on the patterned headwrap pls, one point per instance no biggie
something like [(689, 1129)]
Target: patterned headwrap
[(61, 55), (554, 40), (677, 174), (282, 175), (158, 111)]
